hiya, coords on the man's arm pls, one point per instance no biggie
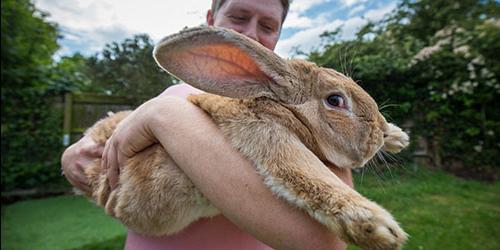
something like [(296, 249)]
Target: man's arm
[(231, 183)]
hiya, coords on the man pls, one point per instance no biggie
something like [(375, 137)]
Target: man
[(227, 180)]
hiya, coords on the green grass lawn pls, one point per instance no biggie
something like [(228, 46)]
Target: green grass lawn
[(439, 211), (65, 222)]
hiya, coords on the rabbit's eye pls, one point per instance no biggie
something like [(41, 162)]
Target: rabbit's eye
[(336, 101)]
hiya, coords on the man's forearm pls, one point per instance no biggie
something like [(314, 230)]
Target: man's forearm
[(231, 183)]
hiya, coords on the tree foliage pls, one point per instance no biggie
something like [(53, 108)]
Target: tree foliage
[(30, 145), (128, 68), (69, 75)]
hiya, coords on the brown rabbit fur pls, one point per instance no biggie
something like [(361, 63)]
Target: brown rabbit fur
[(288, 117)]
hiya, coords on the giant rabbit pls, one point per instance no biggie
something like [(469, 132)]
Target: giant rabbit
[(288, 117)]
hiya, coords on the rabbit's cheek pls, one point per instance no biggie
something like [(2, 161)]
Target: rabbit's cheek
[(345, 142), (370, 140), (340, 160), (372, 148)]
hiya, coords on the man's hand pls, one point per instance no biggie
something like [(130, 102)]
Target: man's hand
[(76, 158), (132, 135)]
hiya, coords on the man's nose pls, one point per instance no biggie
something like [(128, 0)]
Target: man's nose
[(251, 30)]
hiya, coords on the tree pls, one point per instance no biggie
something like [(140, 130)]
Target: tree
[(30, 146), (69, 75), (128, 68)]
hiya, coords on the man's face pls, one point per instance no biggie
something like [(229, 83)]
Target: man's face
[(257, 19)]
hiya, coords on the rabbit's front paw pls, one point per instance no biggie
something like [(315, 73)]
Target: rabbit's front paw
[(371, 227)]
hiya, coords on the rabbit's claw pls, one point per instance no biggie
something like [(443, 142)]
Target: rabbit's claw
[(372, 227)]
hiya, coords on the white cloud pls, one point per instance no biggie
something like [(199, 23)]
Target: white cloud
[(378, 14), (351, 2), (296, 17), (303, 5), (296, 20), (351, 26), (356, 10), (308, 39), (103, 21)]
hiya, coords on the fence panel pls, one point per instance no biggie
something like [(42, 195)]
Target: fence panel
[(82, 110)]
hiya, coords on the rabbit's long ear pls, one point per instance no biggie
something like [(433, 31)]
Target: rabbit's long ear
[(223, 62)]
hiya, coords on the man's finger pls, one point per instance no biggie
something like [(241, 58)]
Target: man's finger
[(121, 160), (79, 181), (105, 153), (97, 151), (112, 167), (113, 174), (84, 186)]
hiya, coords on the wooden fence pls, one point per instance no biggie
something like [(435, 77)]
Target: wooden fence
[(82, 110)]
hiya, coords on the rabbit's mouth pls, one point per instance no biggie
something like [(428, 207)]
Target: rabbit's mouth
[(330, 165), (341, 160)]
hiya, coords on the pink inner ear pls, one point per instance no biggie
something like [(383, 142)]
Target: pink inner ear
[(222, 62)]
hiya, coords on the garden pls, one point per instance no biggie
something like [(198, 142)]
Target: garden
[(432, 65)]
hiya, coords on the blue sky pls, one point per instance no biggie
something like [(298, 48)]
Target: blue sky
[(87, 25)]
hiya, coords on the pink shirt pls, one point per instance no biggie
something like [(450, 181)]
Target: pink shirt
[(216, 233)]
